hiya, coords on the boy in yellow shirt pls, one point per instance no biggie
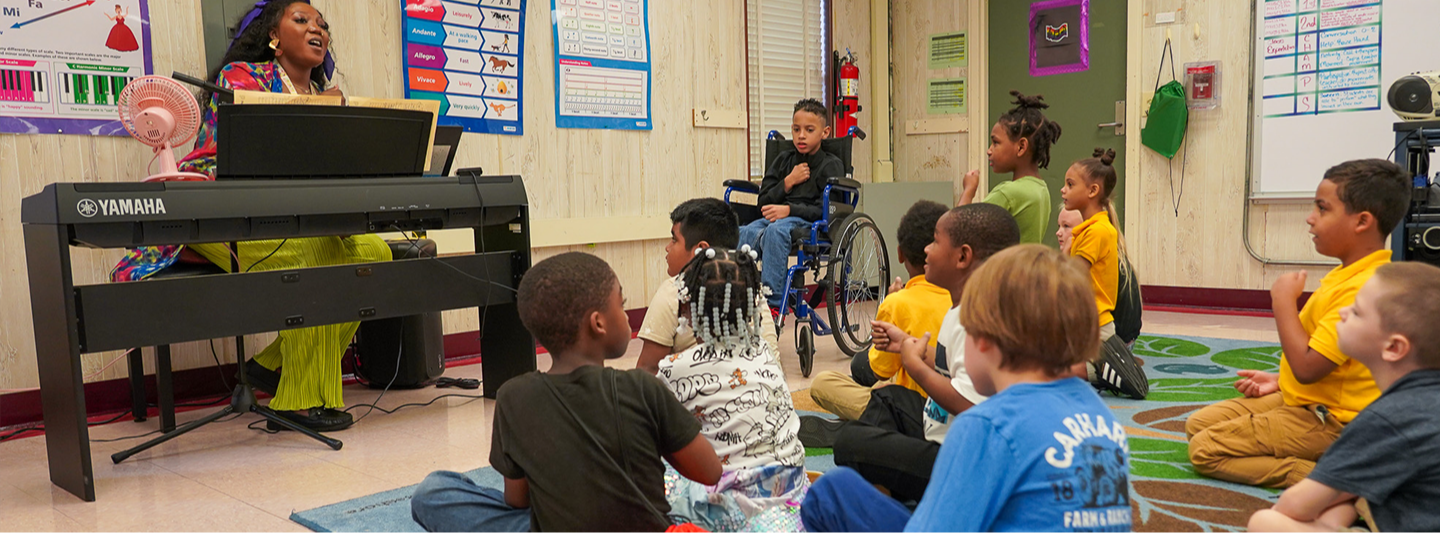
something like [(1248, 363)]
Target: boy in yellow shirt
[(1273, 436), (917, 309)]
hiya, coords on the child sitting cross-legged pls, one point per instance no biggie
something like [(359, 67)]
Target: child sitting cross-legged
[(732, 383), (1273, 436), (916, 308), (1390, 454), (896, 440), (580, 445), (1042, 453)]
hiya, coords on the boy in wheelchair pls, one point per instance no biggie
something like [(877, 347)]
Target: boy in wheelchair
[(789, 197)]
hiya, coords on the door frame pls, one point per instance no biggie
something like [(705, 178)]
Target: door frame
[(979, 88)]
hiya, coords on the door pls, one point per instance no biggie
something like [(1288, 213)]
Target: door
[(1079, 101)]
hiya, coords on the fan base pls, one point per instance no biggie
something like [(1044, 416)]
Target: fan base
[(178, 176)]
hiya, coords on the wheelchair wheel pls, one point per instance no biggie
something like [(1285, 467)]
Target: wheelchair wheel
[(805, 348), (859, 270)]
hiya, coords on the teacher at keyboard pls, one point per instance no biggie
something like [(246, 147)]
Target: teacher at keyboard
[(280, 46)]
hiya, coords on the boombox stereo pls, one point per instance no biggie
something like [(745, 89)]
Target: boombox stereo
[(1415, 97)]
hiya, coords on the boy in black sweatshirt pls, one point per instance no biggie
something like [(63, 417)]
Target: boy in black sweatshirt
[(789, 197)]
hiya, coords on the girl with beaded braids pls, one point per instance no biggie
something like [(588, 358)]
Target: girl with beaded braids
[(1020, 145), (733, 383)]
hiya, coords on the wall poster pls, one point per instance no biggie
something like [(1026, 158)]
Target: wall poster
[(63, 63), (1059, 37)]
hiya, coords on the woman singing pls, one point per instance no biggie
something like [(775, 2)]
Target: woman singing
[(282, 49)]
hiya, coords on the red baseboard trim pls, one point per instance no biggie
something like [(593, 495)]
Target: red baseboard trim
[(1211, 301)]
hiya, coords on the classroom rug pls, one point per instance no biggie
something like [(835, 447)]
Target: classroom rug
[(1186, 373), (390, 510)]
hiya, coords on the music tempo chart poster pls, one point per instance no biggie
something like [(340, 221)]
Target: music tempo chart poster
[(602, 64), (467, 54), (63, 63)]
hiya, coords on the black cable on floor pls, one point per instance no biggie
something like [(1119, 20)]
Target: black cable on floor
[(17, 432)]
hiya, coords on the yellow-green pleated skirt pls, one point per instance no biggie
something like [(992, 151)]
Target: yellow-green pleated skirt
[(309, 358)]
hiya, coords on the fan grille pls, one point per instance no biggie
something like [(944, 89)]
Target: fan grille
[(148, 91)]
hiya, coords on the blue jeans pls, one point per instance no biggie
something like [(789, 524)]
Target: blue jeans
[(841, 500), (451, 501), (772, 239)]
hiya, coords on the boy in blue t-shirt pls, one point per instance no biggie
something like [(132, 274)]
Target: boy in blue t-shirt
[(1043, 453)]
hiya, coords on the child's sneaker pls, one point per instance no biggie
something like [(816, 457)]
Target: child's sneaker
[(1117, 371)]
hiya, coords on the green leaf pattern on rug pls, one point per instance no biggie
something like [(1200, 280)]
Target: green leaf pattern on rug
[(1168, 347), (1207, 390), (1160, 459), (1266, 358), (1187, 374)]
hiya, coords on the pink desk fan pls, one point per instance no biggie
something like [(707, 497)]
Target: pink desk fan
[(161, 113)]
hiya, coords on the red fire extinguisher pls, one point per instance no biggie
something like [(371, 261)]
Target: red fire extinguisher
[(847, 100)]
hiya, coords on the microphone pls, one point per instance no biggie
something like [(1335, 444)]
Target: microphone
[(228, 95)]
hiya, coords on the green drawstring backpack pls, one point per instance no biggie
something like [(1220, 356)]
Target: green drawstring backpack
[(1164, 131)]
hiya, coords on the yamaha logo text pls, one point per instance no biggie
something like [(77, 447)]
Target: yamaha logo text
[(120, 207)]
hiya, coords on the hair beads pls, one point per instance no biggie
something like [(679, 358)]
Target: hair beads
[(711, 285)]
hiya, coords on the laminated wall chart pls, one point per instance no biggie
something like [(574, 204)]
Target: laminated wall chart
[(1322, 69), (1321, 56), (63, 63), (602, 64), (467, 54)]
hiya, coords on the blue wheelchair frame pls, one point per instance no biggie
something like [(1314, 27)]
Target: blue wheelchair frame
[(812, 253)]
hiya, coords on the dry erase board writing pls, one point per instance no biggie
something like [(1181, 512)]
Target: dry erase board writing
[(1322, 68)]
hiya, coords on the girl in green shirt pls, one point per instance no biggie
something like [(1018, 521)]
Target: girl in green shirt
[(1020, 145)]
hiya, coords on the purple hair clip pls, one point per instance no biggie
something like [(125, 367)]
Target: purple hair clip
[(328, 65)]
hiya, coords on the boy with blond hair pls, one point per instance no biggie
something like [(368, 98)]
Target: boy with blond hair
[(1043, 452)]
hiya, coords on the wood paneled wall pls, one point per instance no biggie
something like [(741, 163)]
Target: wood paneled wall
[(851, 24), (1203, 245), (698, 57), (929, 157)]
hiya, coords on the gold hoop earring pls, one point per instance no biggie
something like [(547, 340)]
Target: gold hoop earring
[(274, 44)]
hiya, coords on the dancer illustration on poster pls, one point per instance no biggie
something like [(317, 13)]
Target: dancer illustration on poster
[(121, 38)]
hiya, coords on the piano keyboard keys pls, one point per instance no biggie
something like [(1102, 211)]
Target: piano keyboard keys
[(91, 89), (23, 86)]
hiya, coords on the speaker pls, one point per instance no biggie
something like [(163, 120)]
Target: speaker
[(1413, 97), (402, 353)]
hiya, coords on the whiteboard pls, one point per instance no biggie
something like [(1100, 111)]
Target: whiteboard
[(1322, 69)]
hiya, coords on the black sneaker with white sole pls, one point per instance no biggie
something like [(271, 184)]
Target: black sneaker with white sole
[(1118, 372), (819, 432)]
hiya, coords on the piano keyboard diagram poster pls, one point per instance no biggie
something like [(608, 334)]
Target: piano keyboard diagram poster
[(467, 54), (602, 64), (63, 63)]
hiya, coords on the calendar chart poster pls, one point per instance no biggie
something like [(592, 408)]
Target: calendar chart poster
[(467, 54), (602, 64), (63, 63)]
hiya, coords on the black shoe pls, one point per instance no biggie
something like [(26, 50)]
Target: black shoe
[(318, 420), (1118, 372), (818, 432), (261, 378)]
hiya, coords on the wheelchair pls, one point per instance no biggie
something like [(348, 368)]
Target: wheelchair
[(844, 244)]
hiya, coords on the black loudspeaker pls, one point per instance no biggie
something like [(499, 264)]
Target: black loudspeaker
[(401, 353), (406, 352)]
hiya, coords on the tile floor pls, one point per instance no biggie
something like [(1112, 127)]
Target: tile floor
[(226, 477)]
